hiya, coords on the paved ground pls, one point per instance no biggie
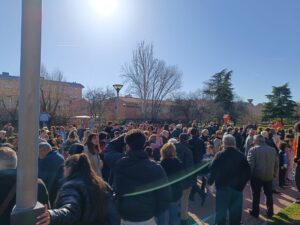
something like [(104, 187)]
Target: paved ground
[(206, 212)]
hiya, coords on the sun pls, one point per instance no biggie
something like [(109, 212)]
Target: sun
[(104, 7)]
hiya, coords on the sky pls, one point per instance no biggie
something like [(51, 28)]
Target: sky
[(258, 39)]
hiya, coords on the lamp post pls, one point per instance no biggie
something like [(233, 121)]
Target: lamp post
[(27, 208), (250, 101), (118, 88)]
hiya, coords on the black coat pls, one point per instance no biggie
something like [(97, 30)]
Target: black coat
[(174, 168), (134, 173), (185, 155), (113, 152), (230, 168), (74, 206), (197, 146), (7, 181)]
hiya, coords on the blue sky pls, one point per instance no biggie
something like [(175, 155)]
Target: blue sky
[(258, 39)]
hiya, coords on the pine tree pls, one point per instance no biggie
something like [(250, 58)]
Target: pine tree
[(219, 88), (280, 104)]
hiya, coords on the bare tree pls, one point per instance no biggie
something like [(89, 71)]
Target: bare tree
[(10, 109), (51, 93), (150, 79), (97, 99)]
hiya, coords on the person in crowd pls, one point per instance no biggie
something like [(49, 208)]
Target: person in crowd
[(165, 134), (92, 150), (50, 169), (83, 199), (175, 133), (270, 141), (185, 155), (149, 152), (9, 130), (205, 136), (230, 172), (297, 156), (136, 172), (283, 164), (115, 150), (8, 176), (249, 141), (198, 149), (263, 161), (76, 149), (217, 142), (238, 138), (85, 136), (290, 155), (44, 134), (2, 136), (72, 139), (103, 137), (173, 168), (210, 153)]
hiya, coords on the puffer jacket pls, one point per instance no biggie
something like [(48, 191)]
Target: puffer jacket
[(74, 206), (135, 173)]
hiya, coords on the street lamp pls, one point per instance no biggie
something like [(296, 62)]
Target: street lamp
[(118, 88), (250, 101)]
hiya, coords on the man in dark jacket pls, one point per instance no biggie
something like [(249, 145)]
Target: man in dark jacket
[(197, 146), (50, 169), (134, 173), (8, 176), (186, 157), (113, 152), (230, 171)]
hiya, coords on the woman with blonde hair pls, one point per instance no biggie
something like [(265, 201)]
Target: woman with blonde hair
[(173, 168)]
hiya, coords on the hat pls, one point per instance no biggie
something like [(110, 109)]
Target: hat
[(2, 132)]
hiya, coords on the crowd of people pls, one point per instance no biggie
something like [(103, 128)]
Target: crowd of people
[(146, 174)]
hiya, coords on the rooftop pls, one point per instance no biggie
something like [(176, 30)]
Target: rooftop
[(7, 76)]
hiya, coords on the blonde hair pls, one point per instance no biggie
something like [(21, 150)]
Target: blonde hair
[(168, 151)]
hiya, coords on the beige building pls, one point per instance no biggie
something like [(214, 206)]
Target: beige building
[(65, 98)]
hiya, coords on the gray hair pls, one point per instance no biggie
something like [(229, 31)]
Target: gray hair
[(265, 134), (45, 146), (259, 139), (229, 141), (8, 158)]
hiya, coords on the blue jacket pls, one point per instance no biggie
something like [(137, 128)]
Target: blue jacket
[(51, 172)]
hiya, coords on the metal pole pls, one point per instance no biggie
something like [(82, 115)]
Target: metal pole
[(117, 109), (29, 110)]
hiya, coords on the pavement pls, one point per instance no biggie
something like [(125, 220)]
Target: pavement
[(205, 214)]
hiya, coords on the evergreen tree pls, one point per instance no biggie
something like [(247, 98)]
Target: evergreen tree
[(280, 104), (219, 88)]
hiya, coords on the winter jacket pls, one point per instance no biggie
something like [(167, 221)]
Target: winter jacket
[(229, 168), (173, 168), (51, 172), (263, 161), (113, 152), (134, 173), (8, 180), (186, 157), (197, 146), (74, 206)]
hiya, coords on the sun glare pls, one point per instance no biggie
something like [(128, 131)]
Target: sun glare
[(104, 7)]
